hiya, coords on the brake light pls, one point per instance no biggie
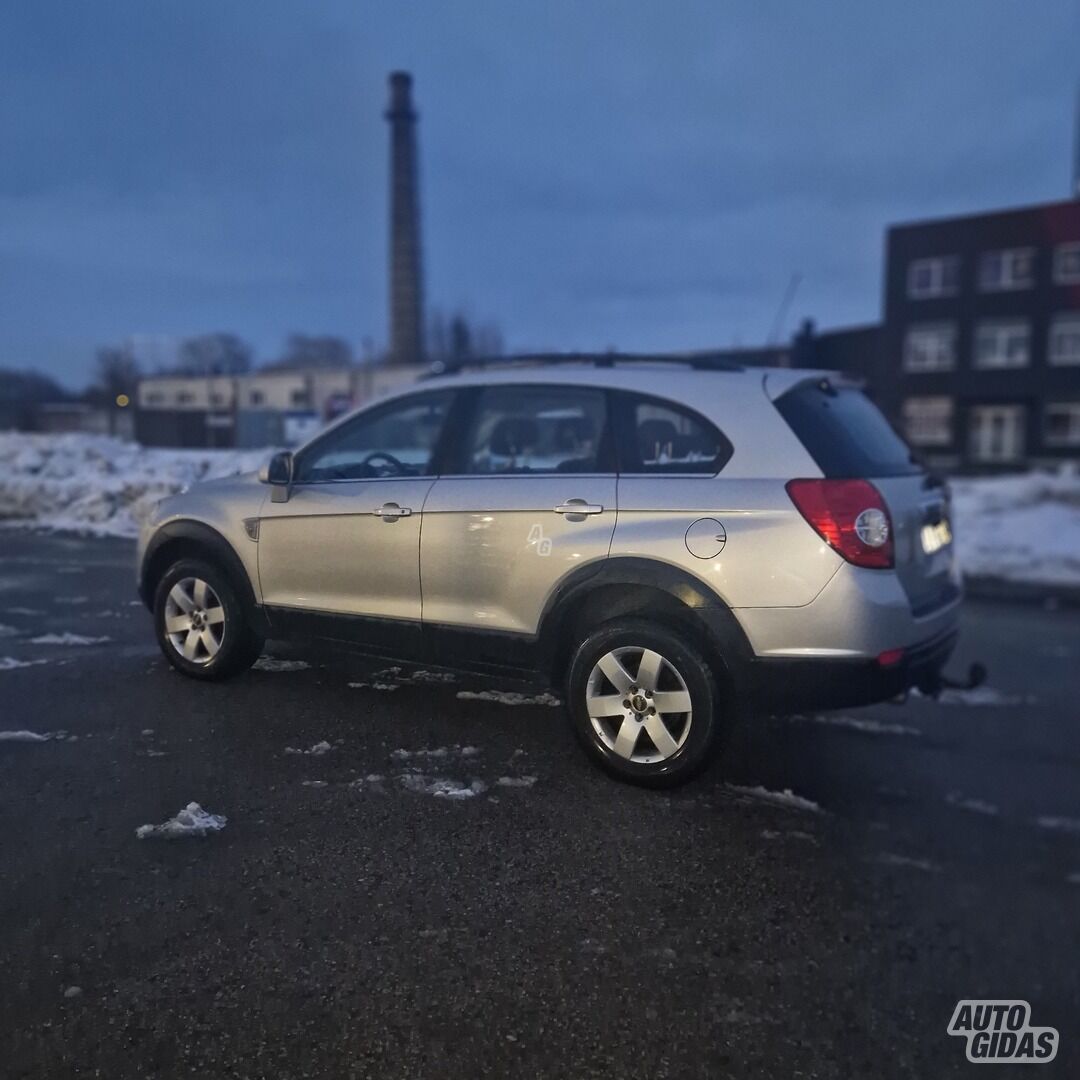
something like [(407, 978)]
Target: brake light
[(850, 516)]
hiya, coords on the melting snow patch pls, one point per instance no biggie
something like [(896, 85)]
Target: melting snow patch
[(7, 631), (985, 696), (508, 697), (1060, 824), (977, 806), (860, 723), (318, 749), (68, 638), (888, 858), (438, 752), (23, 736), (10, 663), (313, 783), (373, 686), (30, 610), (786, 798), (1074, 878), (442, 788), (269, 663), (193, 820), (516, 781)]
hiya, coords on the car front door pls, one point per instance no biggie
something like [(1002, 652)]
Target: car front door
[(341, 557), (531, 498)]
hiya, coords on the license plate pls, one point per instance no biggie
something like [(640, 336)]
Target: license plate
[(935, 537)]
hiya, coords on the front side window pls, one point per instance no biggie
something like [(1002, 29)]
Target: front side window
[(930, 347), (1061, 424), (527, 430), (1065, 340), (666, 438), (937, 276), (1010, 268), (396, 439), (1005, 344), (1067, 264)]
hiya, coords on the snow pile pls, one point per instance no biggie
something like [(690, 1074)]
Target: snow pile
[(193, 820), (269, 663), (1023, 529), (23, 736), (91, 483)]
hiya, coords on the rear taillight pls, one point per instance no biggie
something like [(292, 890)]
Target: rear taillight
[(850, 515)]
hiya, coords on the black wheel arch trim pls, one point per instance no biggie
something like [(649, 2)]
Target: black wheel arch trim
[(209, 539), (725, 634)]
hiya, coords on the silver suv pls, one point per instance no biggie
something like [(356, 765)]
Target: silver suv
[(665, 542)]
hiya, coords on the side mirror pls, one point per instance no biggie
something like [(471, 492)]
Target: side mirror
[(279, 474)]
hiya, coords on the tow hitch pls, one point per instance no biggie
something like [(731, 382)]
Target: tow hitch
[(936, 681)]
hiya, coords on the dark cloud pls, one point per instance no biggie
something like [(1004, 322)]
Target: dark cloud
[(641, 175)]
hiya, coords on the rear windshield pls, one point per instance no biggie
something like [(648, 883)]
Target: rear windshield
[(844, 432)]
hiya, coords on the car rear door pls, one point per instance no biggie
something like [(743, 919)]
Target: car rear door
[(530, 497)]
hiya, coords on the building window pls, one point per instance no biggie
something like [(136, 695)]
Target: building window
[(154, 398), (1061, 424), (217, 398), (1011, 268), (184, 397), (1067, 264), (939, 276), (996, 433), (930, 347), (256, 397), (928, 421), (1065, 340), (299, 399), (1003, 344)]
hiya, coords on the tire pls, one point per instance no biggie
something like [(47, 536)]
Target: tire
[(219, 641), (667, 746)]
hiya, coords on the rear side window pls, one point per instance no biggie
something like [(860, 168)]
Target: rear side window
[(844, 432), (661, 437)]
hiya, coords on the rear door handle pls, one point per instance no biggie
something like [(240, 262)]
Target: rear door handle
[(578, 506), (391, 511)]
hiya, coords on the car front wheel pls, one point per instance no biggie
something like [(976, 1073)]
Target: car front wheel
[(643, 703), (201, 625)]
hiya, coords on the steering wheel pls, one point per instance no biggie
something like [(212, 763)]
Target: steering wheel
[(389, 459)]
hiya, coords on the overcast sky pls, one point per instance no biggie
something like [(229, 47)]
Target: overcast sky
[(645, 175)]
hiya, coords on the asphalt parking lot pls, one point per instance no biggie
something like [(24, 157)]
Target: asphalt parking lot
[(452, 890)]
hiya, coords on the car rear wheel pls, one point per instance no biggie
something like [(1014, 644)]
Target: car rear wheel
[(201, 625), (643, 703)]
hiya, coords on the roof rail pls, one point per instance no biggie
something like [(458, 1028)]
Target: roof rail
[(697, 361)]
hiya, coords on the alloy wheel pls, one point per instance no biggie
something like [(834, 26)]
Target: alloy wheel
[(194, 620), (638, 704)]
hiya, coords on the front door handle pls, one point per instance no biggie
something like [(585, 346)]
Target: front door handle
[(578, 506), (391, 511)]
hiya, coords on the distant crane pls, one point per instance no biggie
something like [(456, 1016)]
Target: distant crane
[(781, 313)]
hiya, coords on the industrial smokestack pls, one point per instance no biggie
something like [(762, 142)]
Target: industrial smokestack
[(406, 284)]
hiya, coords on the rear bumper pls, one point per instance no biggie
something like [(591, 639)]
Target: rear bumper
[(800, 683)]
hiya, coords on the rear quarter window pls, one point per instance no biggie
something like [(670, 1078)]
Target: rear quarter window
[(659, 436), (844, 432)]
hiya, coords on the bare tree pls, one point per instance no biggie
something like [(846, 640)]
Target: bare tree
[(215, 354), (117, 378), (315, 351)]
